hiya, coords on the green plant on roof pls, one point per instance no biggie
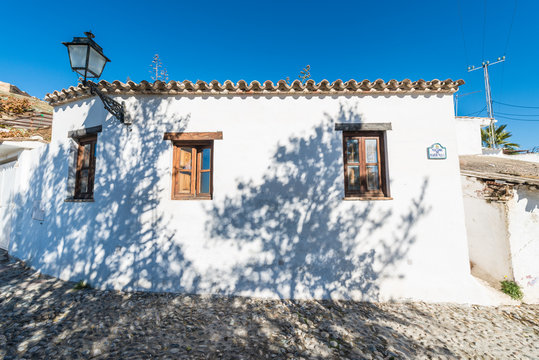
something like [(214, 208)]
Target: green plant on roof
[(305, 74)]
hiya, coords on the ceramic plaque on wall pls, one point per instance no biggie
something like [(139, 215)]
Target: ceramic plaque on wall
[(436, 152)]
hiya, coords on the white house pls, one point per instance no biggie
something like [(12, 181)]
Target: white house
[(347, 190), (11, 149), (469, 134)]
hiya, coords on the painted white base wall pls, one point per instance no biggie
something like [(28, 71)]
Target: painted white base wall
[(277, 226), (523, 218), (504, 236), (469, 135)]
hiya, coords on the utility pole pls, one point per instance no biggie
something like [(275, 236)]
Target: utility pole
[(485, 66)]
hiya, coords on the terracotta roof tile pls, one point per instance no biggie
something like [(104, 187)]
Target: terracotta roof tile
[(324, 87)]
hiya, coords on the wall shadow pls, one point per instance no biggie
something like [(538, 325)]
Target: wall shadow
[(308, 241), (122, 237), (303, 241)]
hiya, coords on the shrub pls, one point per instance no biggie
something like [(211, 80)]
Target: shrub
[(13, 133), (81, 285), (512, 289), (12, 105)]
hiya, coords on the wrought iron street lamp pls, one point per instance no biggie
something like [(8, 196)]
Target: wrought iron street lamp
[(87, 59)]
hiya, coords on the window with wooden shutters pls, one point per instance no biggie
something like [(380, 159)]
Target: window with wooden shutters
[(192, 164), (364, 165), (85, 174), (192, 170)]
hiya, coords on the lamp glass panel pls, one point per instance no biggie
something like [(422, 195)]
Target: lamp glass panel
[(96, 62), (77, 55)]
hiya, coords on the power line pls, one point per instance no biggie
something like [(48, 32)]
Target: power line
[(458, 96), (484, 28), (507, 46), (518, 106), (510, 27), (502, 113), (502, 92), (477, 112), (462, 33), (508, 118)]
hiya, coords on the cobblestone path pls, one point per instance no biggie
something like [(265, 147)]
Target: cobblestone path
[(44, 318)]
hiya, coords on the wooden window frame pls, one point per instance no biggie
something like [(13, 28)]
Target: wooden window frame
[(196, 170), (364, 193), (82, 141)]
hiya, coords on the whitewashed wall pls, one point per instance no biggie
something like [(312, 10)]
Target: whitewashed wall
[(503, 236), (277, 226), (7, 180), (523, 218), (469, 135), (487, 230)]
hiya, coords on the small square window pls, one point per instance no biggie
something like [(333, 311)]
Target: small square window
[(192, 176), (364, 165)]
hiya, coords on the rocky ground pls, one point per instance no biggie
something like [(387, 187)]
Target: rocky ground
[(43, 317)]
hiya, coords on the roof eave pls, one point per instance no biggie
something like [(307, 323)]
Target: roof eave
[(255, 88)]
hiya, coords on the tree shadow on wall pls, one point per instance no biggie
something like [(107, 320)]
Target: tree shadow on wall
[(127, 242), (301, 238)]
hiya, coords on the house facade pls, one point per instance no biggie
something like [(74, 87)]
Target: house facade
[(317, 190)]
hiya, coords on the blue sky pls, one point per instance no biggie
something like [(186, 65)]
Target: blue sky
[(256, 40)]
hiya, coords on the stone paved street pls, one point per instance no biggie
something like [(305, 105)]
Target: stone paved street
[(42, 317)]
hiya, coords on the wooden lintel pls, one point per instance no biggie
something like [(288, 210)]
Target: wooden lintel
[(178, 136), (84, 132), (362, 126)]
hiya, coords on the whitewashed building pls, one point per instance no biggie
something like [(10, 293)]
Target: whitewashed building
[(10, 151), (469, 134), (347, 190)]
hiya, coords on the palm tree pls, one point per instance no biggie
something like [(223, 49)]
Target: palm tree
[(501, 137)]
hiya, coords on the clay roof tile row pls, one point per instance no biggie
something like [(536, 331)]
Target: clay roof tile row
[(256, 88)]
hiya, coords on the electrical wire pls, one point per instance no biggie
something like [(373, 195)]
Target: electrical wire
[(507, 46), (518, 106), (509, 114), (484, 28), (511, 27), (509, 118), (462, 33), (476, 112)]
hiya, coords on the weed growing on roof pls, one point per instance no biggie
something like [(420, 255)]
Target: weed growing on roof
[(512, 289)]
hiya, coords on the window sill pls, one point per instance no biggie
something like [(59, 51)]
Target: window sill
[(367, 198), (78, 200), (192, 198)]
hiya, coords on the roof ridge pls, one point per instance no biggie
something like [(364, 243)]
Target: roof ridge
[(281, 87)]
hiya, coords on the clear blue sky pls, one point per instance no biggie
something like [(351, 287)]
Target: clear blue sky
[(256, 40)]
